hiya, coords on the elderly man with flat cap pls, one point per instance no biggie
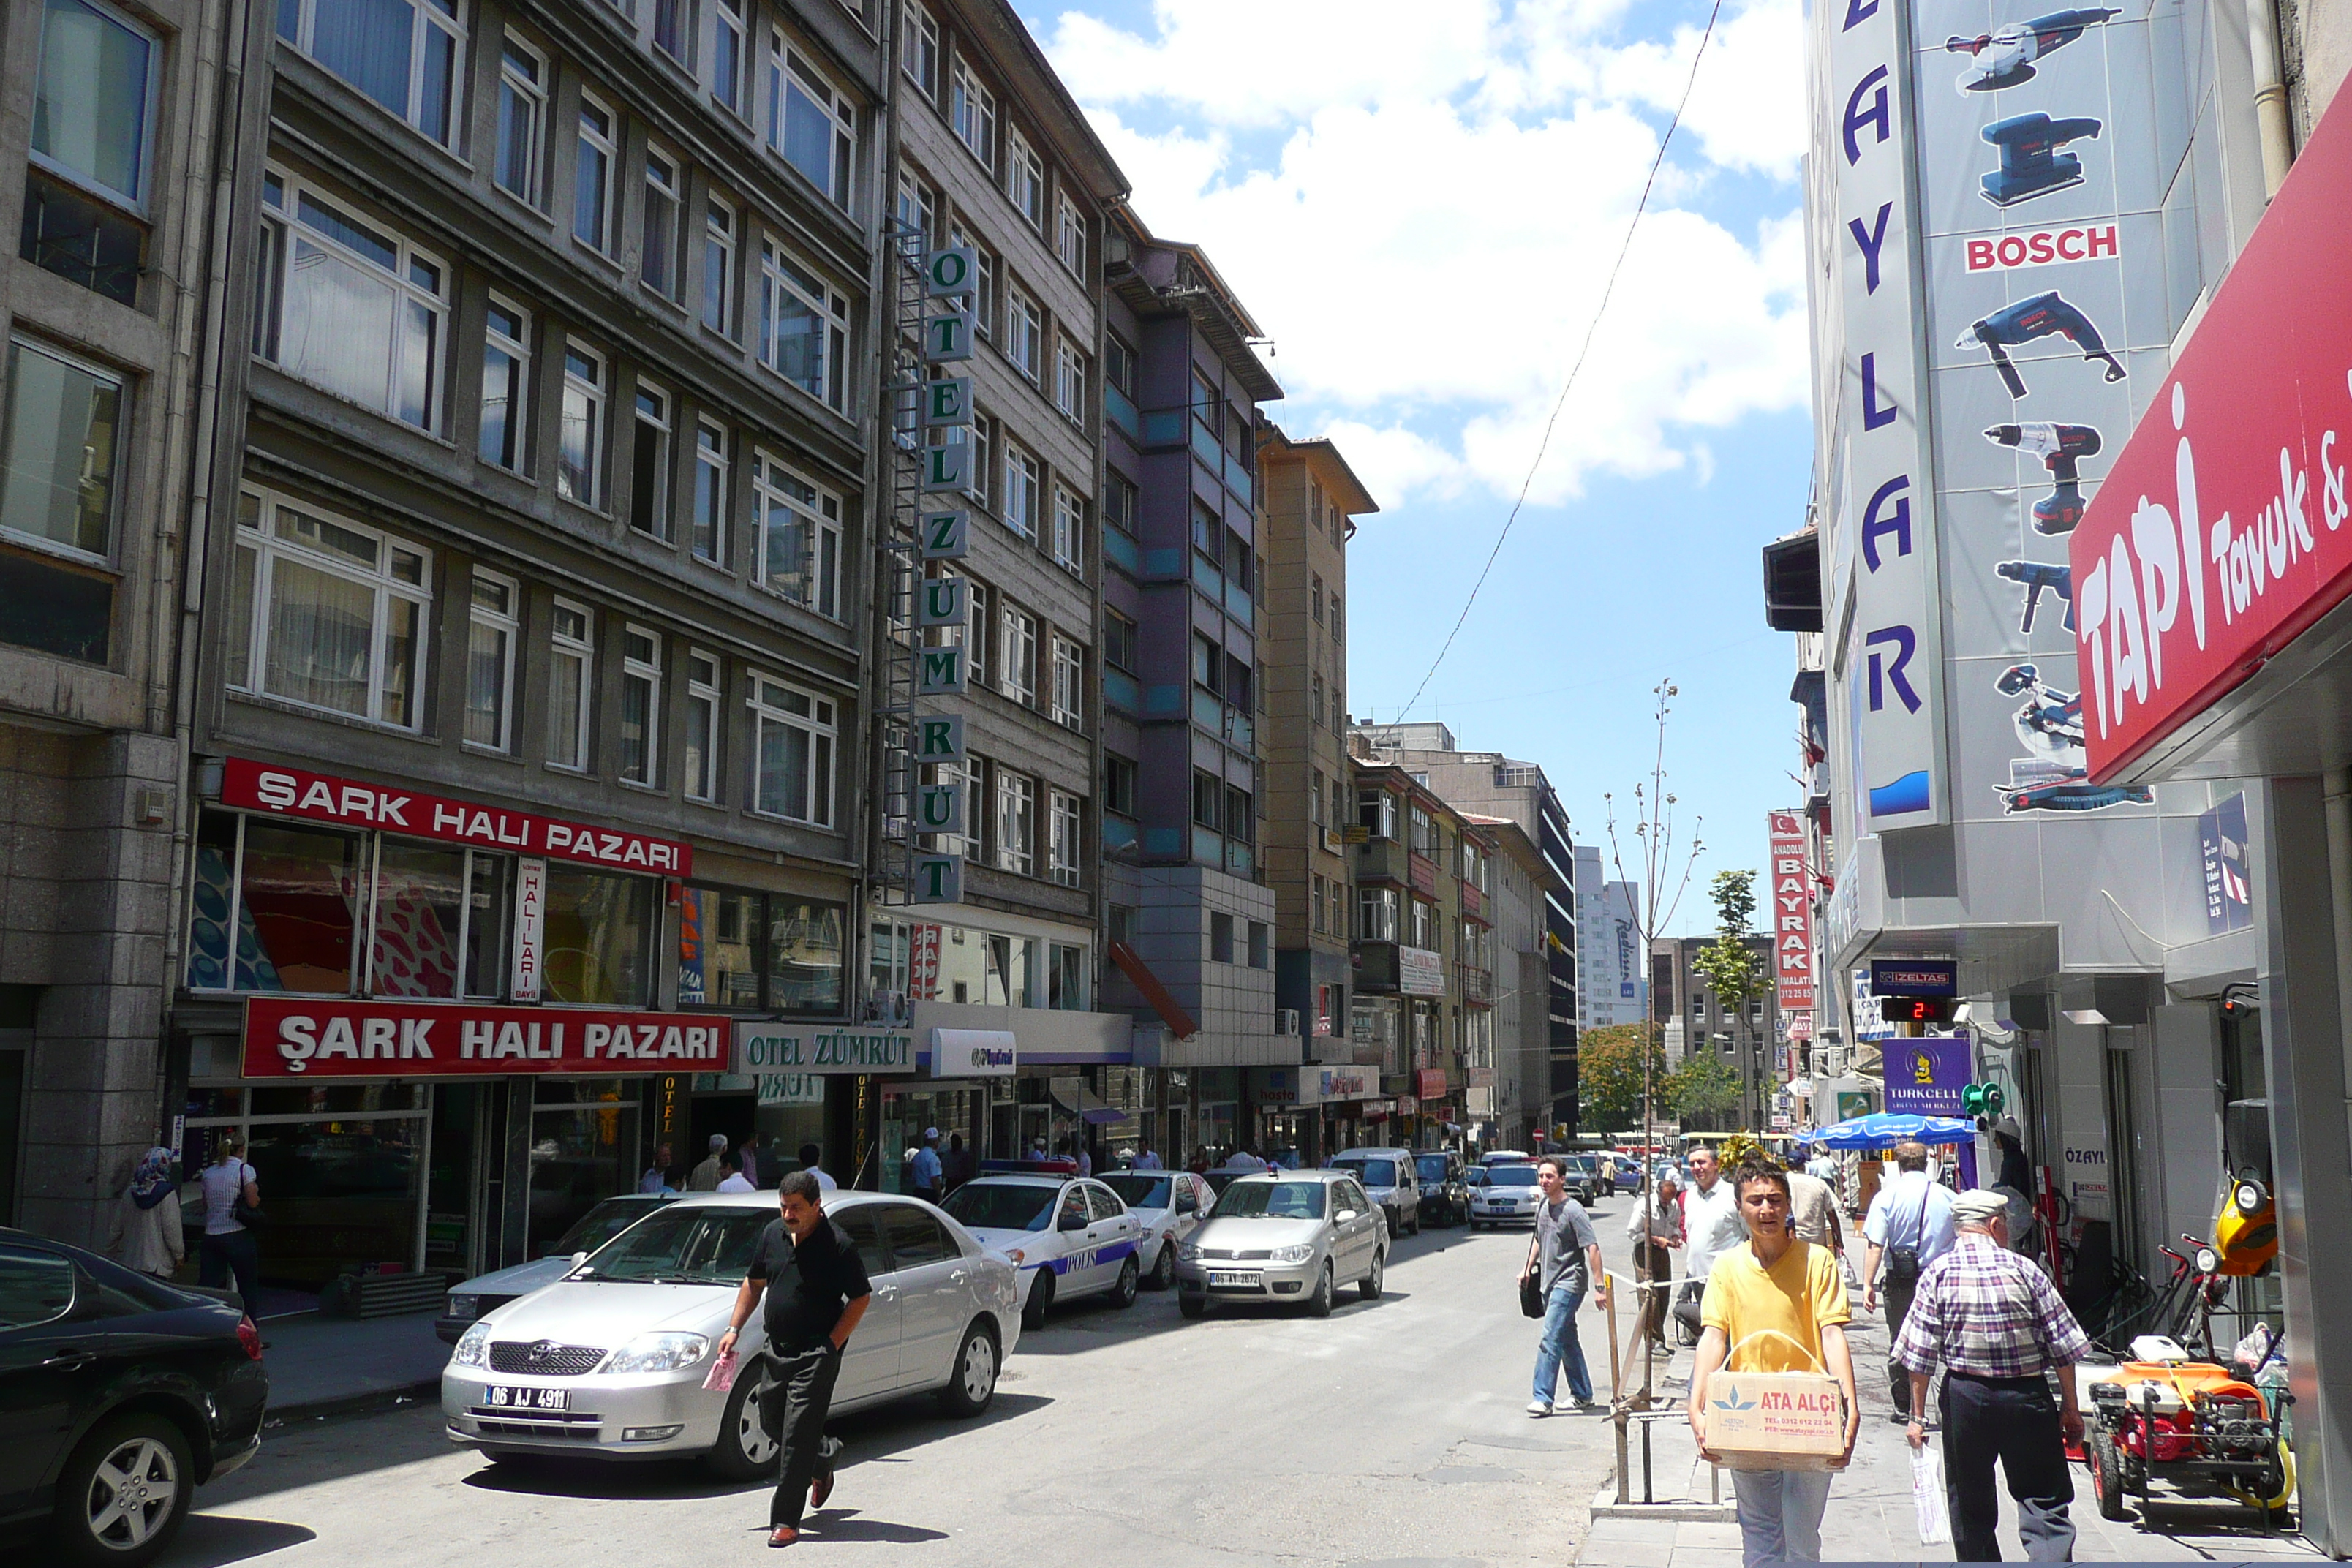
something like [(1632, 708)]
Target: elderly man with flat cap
[(1992, 1320)]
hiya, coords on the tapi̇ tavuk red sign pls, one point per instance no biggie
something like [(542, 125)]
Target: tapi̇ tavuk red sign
[(2218, 536), (351, 803), (315, 1038)]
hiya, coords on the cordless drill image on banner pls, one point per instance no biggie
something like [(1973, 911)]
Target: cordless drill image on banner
[(2061, 448)]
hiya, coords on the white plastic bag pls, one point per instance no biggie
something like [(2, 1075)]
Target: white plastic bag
[(1927, 1496)]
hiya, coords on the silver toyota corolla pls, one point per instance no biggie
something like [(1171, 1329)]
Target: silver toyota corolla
[(1292, 1236), (610, 1361)]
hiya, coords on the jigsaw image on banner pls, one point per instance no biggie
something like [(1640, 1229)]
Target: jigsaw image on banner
[(2005, 56), (2014, 326), (2054, 774), (2032, 160), (2061, 448)]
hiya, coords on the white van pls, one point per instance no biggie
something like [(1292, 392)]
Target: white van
[(1390, 1181)]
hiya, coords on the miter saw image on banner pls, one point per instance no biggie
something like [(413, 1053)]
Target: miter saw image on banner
[(2013, 326), (2061, 449), (2031, 163), (2005, 56)]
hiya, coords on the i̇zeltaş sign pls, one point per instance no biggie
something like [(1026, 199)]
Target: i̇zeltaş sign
[(337, 1037), (353, 803)]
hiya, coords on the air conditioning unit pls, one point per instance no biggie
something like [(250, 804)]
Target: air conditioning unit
[(1289, 1017)]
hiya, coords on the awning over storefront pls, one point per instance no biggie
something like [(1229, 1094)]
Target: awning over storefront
[(1073, 1096)]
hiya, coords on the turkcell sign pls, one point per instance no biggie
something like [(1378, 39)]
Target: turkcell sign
[(766, 1050), (1881, 536), (1914, 977)]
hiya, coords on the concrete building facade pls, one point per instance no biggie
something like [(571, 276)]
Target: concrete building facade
[(1609, 966)]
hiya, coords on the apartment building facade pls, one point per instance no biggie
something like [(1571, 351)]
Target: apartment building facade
[(1509, 1105), (1609, 965)]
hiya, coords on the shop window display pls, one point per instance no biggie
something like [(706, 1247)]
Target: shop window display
[(772, 951), (583, 1150), (599, 937), (420, 895)]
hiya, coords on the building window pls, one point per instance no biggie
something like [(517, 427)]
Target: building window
[(1376, 813), (1221, 937), (1120, 499), (799, 536), (1070, 236), (702, 698), (1118, 784), (339, 612), (803, 327), (490, 633), (718, 265), (1315, 599), (592, 186), (1016, 801), (659, 266), (641, 675), (1241, 819), (571, 660), (792, 741), (710, 494), (1315, 712), (811, 124), (971, 108), (1208, 801), (727, 54), (63, 431), (93, 129), (1066, 975), (919, 207), (1069, 529), (1065, 838), (600, 937), (1119, 641), (1017, 668), (522, 118), (578, 460), (506, 384), (920, 54), (983, 295), (1376, 914), (1338, 633), (980, 641), (674, 31), (1069, 684), (404, 53), (1025, 330), (649, 465), (1208, 665), (350, 306), (1025, 179), (773, 952), (1070, 380), (1020, 477), (1261, 945), (1315, 901)]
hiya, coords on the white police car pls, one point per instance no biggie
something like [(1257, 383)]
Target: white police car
[(1068, 1236)]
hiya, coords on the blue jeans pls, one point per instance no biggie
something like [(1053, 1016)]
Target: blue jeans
[(1781, 1514), (1559, 1349)]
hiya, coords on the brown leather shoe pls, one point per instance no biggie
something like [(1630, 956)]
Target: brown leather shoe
[(820, 1489), (783, 1535)]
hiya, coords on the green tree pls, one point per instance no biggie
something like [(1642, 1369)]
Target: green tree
[(1609, 1075), (1704, 1085), (1732, 970)]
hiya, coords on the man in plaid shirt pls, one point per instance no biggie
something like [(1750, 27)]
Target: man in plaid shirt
[(1994, 1322)]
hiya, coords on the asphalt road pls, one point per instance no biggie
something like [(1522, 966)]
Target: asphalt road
[(1392, 1433)]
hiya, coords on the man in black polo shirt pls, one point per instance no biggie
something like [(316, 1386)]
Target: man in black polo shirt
[(815, 1284)]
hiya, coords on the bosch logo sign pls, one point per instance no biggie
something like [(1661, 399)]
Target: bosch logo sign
[(2044, 247)]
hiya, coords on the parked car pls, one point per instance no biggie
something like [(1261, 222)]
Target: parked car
[(1505, 1157), (1390, 1180), (1509, 1195), (470, 1298), (1445, 1195), (609, 1361), (1170, 1207), (118, 1396), (1067, 1237), (1585, 1182), (1294, 1236)]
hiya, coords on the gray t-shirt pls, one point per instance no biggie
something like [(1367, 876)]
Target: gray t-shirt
[(1562, 1233)]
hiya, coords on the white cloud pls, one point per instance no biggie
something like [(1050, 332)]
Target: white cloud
[(1445, 190)]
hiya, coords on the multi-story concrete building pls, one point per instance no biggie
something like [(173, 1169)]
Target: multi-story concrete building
[(1510, 1105), (111, 125), (1609, 968), (1745, 1038)]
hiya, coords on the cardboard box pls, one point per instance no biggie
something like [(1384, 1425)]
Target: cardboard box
[(1776, 1421)]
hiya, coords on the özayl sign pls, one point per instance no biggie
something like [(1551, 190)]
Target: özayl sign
[(2219, 535), (322, 1037)]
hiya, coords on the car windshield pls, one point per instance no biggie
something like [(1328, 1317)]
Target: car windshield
[(1011, 1206), (1141, 1192), (1512, 1176), (696, 1244), (1580, 1163), (1431, 1167), (1270, 1200), (1371, 1172), (602, 1224)]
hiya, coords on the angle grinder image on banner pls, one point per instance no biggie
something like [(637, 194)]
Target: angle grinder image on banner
[(2041, 316), (2005, 56)]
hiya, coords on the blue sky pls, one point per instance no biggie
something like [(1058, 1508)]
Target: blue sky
[(1419, 202)]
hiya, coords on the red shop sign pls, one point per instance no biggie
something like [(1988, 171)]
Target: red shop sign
[(316, 1037), (349, 803), (1430, 1082), (2218, 536)]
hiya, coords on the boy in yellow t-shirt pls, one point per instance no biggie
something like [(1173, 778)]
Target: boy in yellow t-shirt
[(1781, 1303)]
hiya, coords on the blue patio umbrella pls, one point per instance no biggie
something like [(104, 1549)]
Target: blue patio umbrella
[(1885, 1130)]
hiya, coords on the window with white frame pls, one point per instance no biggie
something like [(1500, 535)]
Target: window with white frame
[(1070, 235), (1376, 914), (408, 55), (640, 734), (592, 176), (725, 74), (1070, 380), (490, 632), (673, 29), (1314, 899), (799, 527), (710, 493), (917, 206), (1064, 838), (972, 108), (983, 444), (335, 613), (1025, 179), (793, 740), (1017, 823), (94, 100), (703, 689), (59, 452), (659, 266), (522, 118), (1069, 683), (349, 305), (811, 124), (1025, 330), (506, 384), (983, 293), (1069, 529), (571, 683), (578, 468), (649, 472), (718, 265), (1017, 656), (803, 327), (920, 49), (979, 645), (1021, 480)]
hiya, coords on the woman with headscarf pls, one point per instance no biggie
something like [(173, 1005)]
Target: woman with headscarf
[(146, 1231)]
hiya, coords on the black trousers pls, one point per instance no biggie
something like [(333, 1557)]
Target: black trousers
[(2015, 1421), (235, 1251), (1898, 1307), (792, 1406)]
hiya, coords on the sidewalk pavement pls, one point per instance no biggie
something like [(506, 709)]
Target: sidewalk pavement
[(1870, 1516), (320, 1364)]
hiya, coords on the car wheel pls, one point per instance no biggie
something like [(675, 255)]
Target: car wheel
[(972, 1383), (1041, 1297), (1164, 1268), (124, 1491), (1192, 1306), (1416, 1221), (1370, 1286), (744, 1451), (1130, 1275), (1319, 1304)]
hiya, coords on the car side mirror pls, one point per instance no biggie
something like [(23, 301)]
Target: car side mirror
[(1344, 1215), (1072, 1222), (578, 1258)]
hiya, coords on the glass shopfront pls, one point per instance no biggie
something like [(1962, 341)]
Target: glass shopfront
[(583, 1150)]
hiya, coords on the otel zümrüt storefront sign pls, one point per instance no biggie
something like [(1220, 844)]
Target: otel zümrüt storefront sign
[(765, 1048), (315, 1038)]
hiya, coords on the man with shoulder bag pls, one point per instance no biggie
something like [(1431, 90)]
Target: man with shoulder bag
[(1909, 1225)]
